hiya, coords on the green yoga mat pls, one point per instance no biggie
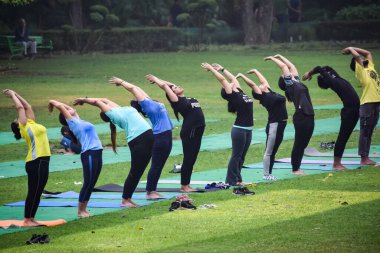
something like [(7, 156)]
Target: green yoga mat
[(54, 133), (209, 143), (328, 107)]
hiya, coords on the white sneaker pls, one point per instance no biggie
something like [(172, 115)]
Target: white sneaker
[(269, 177)]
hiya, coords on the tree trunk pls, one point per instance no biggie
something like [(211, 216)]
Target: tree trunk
[(76, 14), (257, 18)]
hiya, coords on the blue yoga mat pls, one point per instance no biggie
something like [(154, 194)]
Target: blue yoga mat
[(46, 203), (75, 195), (324, 167)]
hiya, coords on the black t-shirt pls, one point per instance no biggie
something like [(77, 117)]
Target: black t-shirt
[(191, 111), (275, 105), (299, 94), (243, 105), (330, 78)]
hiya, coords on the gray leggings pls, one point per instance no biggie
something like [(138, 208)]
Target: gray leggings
[(241, 139), (369, 116)]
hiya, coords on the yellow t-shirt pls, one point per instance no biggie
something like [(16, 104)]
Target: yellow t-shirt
[(36, 137), (369, 80)]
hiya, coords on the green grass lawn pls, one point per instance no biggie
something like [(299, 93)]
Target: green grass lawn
[(306, 214)]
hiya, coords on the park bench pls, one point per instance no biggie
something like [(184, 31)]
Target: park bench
[(8, 43)]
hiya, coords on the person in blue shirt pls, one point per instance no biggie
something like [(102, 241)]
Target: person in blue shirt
[(139, 137), (162, 132), (91, 150)]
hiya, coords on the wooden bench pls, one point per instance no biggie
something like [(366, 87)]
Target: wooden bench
[(8, 43)]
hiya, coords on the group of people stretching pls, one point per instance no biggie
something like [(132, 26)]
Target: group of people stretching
[(154, 143)]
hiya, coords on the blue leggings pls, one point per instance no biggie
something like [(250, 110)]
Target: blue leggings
[(92, 165)]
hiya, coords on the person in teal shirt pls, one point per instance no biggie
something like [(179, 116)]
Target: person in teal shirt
[(139, 137)]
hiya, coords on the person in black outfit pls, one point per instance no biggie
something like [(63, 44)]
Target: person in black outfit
[(22, 37), (193, 126), (175, 10), (241, 133), (303, 118), (329, 78), (277, 118)]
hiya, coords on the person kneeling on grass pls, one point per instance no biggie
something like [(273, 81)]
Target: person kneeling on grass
[(38, 157), (91, 153)]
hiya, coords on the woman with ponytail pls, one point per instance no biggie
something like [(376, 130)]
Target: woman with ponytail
[(139, 137), (38, 157), (91, 150), (162, 132), (192, 128)]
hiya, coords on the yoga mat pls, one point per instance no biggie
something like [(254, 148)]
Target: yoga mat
[(316, 152), (75, 195), (177, 181), (90, 204), (119, 188), (288, 166), (328, 107), (5, 224), (54, 133), (288, 160)]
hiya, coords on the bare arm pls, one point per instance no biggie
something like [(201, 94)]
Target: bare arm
[(263, 81), (356, 53), (28, 108), (284, 68), (22, 118), (63, 108), (137, 92), (292, 68), (223, 81), (164, 85), (104, 104), (250, 83), (229, 75)]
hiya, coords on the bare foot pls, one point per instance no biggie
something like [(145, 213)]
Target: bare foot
[(153, 195), (299, 173), (339, 167), (367, 161), (29, 222), (187, 188), (128, 203), (83, 214)]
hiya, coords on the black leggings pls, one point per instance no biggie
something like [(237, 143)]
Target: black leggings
[(349, 118), (191, 144), (304, 127), (141, 152), (92, 166), (38, 173)]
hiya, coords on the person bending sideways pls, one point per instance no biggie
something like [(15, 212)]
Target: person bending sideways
[(364, 68), (38, 156), (328, 78)]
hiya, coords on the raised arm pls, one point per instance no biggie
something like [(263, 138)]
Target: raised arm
[(164, 85), (291, 67), (104, 104), (250, 83), (137, 92), (228, 74), (63, 108), (223, 81), (28, 108), (22, 117), (284, 68), (263, 81), (357, 53), (308, 75)]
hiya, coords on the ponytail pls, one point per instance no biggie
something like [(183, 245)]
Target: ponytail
[(63, 121), (16, 130), (105, 118), (176, 113)]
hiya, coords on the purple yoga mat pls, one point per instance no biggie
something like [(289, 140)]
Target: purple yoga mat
[(288, 160), (46, 203)]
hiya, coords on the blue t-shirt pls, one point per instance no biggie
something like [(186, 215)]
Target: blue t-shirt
[(157, 114), (128, 119), (85, 133)]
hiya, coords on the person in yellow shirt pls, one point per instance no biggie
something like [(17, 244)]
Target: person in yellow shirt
[(362, 64), (38, 157)]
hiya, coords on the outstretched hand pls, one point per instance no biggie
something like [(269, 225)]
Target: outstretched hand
[(8, 92), (51, 105), (79, 101), (115, 80), (251, 71), (239, 75), (307, 76), (277, 56), (268, 58), (346, 50), (206, 66), (217, 66), (151, 78)]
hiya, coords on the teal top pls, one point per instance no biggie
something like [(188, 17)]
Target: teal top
[(130, 120)]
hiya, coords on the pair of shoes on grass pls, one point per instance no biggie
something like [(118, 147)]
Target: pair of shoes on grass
[(219, 185), (44, 238), (242, 191), (181, 205), (269, 177)]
